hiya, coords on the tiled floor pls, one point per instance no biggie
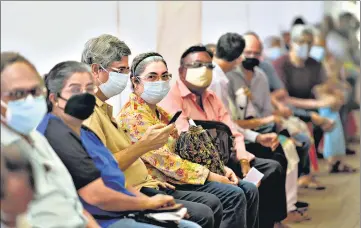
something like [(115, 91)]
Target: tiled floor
[(339, 205)]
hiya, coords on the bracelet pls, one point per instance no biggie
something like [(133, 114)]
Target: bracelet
[(244, 160)]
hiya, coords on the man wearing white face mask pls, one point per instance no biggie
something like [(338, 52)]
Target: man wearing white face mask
[(107, 54), (191, 95), (23, 106)]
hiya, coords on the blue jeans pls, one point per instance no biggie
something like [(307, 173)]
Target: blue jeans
[(122, 223), (240, 203), (304, 164)]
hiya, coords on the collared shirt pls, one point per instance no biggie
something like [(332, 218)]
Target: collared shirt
[(163, 164), (56, 203), (219, 86), (87, 160), (261, 96), (102, 123), (181, 98)]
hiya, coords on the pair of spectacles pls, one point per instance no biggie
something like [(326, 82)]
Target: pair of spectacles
[(23, 93), (77, 89), (252, 54), (121, 70), (199, 65), (156, 77)]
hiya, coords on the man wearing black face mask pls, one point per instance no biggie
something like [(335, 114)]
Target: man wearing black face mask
[(249, 82)]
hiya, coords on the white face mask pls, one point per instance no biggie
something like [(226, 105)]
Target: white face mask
[(317, 53), (200, 77), (115, 85), (301, 51), (154, 92)]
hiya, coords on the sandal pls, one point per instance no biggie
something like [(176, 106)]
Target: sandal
[(313, 186), (310, 183), (341, 168), (302, 206)]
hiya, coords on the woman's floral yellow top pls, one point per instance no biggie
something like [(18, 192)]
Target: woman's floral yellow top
[(163, 164)]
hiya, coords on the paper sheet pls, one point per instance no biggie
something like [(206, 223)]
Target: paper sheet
[(254, 176)]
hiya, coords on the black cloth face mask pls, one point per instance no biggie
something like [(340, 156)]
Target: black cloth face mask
[(250, 63), (80, 106)]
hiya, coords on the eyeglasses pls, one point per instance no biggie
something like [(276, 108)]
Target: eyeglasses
[(199, 65), (121, 70), (77, 89), (252, 54), (23, 93), (156, 77)]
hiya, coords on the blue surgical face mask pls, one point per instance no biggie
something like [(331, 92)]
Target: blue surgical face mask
[(301, 51), (24, 115), (317, 53), (154, 92), (274, 53)]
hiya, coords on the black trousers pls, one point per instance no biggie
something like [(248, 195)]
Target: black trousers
[(203, 208), (272, 191)]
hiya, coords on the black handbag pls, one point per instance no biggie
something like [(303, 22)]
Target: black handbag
[(222, 138)]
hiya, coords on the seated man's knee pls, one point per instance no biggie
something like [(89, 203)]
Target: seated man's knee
[(250, 190)]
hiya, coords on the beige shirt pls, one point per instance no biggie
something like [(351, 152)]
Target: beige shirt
[(116, 140)]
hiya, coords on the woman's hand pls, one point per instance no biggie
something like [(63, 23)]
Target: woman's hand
[(219, 178), (231, 175), (165, 185), (157, 136)]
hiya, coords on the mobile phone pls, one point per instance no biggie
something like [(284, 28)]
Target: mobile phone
[(175, 117)]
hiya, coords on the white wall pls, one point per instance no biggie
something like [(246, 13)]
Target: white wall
[(137, 26), (50, 32), (263, 17)]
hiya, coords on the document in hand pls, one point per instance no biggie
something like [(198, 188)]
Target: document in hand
[(169, 216), (254, 176)]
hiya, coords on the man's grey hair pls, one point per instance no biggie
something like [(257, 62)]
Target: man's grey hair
[(104, 50), (300, 30), (55, 80)]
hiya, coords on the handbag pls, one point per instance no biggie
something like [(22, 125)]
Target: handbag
[(196, 145), (222, 138)]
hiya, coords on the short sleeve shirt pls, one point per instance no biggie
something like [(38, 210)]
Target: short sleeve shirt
[(300, 81), (274, 80), (87, 159), (56, 203), (260, 104)]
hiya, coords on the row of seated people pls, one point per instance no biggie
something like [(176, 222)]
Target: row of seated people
[(93, 170)]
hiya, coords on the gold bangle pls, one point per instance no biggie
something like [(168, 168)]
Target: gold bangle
[(244, 161)]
